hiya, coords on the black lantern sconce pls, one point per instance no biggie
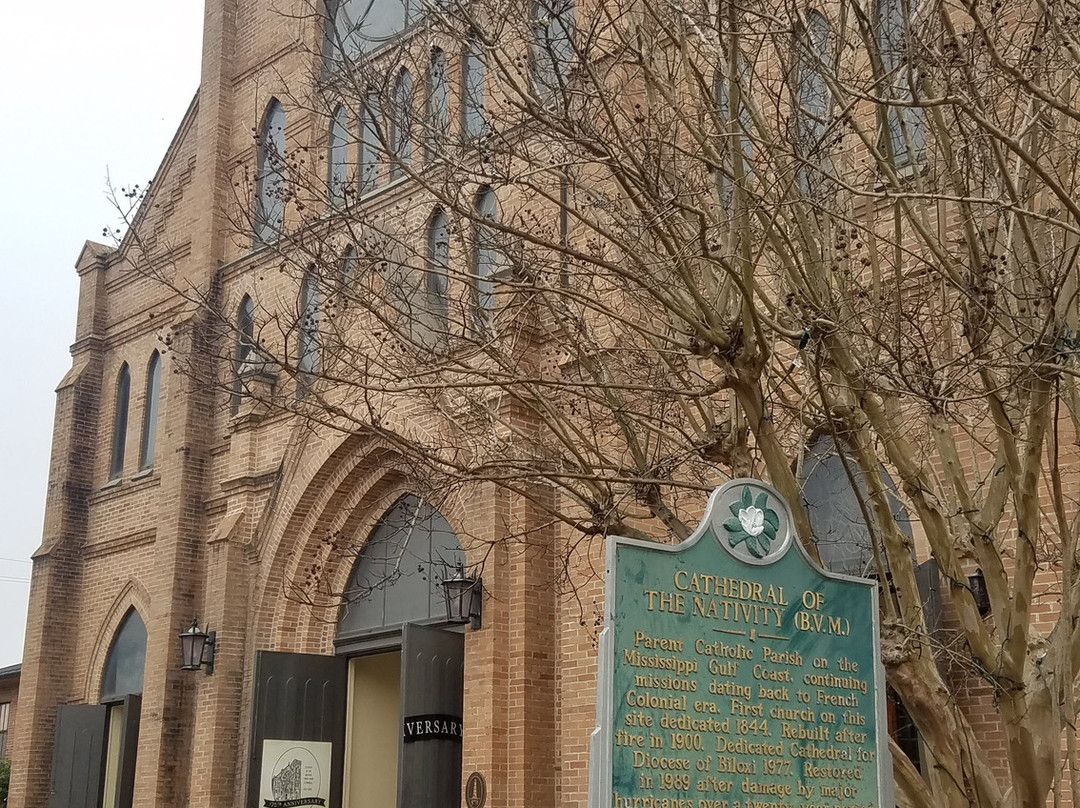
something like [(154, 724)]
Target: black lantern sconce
[(977, 585), (464, 599), (197, 648)]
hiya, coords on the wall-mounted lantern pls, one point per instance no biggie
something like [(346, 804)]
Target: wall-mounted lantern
[(197, 648), (977, 585), (464, 599)]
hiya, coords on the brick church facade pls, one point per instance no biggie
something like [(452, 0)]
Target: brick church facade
[(165, 503), (182, 490)]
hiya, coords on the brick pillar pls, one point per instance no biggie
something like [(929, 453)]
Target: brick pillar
[(217, 722), (168, 692), (510, 663), (531, 662), (484, 746), (53, 616), (188, 568)]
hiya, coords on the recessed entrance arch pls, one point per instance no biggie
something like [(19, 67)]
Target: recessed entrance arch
[(385, 711)]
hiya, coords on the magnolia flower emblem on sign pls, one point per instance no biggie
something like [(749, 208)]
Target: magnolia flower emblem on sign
[(753, 522)]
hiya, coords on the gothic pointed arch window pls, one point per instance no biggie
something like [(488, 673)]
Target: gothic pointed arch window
[(125, 661), (245, 344), (120, 422), (368, 170), (438, 103), (438, 280), (736, 125), (486, 258), (348, 268), (813, 92), (473, 121), (308, 357), (401, 124), (835, 507), (904, 135), (121, 701), (270, 174), (553, 46), (845, 545), (150, 413), (337, 180), (397, 576), (813, 100)]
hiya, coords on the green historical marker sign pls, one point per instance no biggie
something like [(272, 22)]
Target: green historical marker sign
[(735, 673)]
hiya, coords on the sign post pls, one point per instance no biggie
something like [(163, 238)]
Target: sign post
[(736, 673)]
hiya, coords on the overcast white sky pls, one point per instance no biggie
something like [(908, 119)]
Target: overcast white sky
[(89, 89)]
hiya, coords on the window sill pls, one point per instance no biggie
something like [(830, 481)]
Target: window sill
[(147, 472), (115, 482)]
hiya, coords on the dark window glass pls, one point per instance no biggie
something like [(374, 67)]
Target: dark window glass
[(905, 126), (348, 267), (473, 122), (438, 102), (812, 88), (398, 574), (438, 271), (150, 413), (369, 145), (734, 126), (486, 258), (357, 27), (270, 174), (124, 665), (308, 342), (338, 157), (5, 714), (812, 99), (553, 48), (120, 420), (833, 506), (245, 342), (401, 124)]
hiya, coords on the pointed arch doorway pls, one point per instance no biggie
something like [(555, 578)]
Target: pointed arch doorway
[(384, 713), (96, 744)]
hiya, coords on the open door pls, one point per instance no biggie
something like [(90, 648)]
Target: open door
[(78, 756), (121, 751), (299, 715), (432, 673)]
